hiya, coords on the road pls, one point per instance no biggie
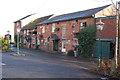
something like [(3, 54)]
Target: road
[(39, 64)]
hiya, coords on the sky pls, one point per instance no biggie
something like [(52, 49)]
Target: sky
[(13, 10)]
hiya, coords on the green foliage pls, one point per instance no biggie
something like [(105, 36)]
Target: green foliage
[(70, 53), (4, 44), (86, 40)]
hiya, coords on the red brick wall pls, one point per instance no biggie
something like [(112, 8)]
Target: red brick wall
[(109, 29), (69, 33), (17, 25)]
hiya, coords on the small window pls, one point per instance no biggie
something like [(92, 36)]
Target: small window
[(45, 41), (83, 25), (43, 29), (53, 27), (27, 32), (73, 27), (24, 31)]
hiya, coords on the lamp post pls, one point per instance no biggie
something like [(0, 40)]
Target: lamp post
[(99, 26), (18, 30)]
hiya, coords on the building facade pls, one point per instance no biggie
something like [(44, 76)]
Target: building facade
[(60, 33)]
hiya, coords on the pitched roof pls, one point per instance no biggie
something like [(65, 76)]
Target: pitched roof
[(75, 15), (23, 18), (32, 25)]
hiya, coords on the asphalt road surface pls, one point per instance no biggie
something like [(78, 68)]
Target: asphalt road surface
[(39, 64)]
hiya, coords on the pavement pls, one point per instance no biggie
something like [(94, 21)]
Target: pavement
[(40, 64)]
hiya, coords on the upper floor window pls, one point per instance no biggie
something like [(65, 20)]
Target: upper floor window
[(83, 25), (64, 31), (73, 27), (43, 29), (53, 27), (17, 24), (25, 32)]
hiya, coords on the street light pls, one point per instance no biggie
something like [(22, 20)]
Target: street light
[(99, 26), (18, 30)]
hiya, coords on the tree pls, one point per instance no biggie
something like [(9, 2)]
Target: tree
[(4, 44), (86, 41)]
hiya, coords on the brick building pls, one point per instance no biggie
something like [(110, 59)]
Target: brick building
[(60, 32), (29, 33)]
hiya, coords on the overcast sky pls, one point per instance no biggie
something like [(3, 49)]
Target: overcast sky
[(12, 10)]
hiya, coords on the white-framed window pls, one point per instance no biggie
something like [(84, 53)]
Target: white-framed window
[(33, 40), (27, 32), (24, 31), (63, 31), (43, 29), (53, 27), (83, 24), (38, 41), (73, 26), (45, 41)]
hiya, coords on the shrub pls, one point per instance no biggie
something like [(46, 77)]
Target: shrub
[(86, 41), (70, 53), (4, 44)]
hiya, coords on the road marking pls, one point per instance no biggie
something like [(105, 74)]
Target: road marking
[(3, 64), (83, 68), (72, 61)]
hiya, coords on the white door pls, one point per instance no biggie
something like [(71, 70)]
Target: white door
[(63, 46)]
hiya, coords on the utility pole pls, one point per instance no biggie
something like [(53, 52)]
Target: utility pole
[(117, 35)]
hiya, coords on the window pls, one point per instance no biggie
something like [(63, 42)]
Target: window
[(43, 29), (64, 31), (24, 31), (27, 32), (83, 25), (53, 27), (17, 24), (45, 41), (73, 27), (33, 40)]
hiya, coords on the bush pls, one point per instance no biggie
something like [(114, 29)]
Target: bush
[(86, 40), (4, 44), (70, 53)]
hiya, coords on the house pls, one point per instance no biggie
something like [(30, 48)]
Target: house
[(61, 32), (29, 33)]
